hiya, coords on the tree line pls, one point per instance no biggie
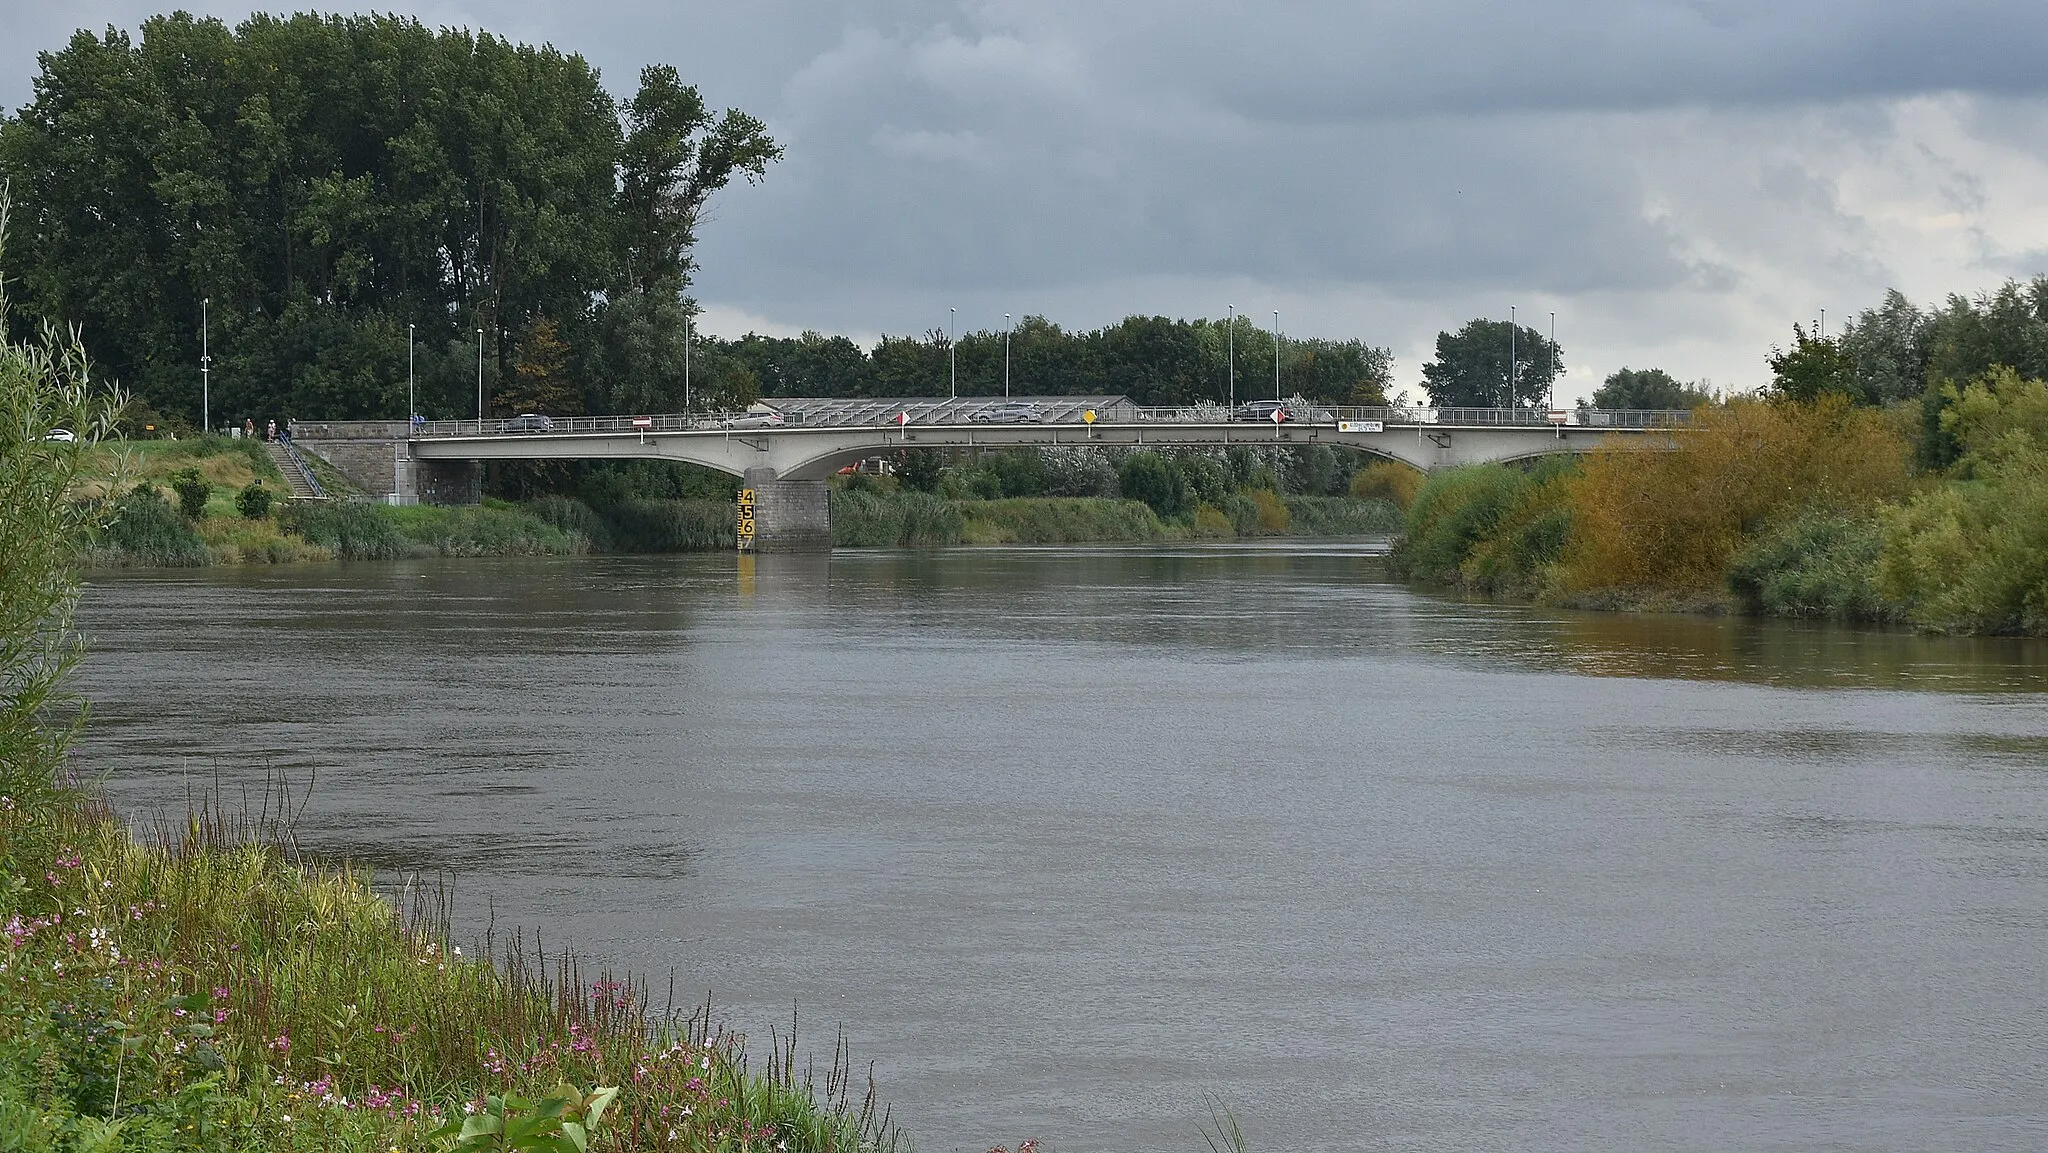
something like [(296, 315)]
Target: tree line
[(319, 202)]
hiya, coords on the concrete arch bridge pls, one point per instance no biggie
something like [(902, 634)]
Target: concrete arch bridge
[(784, 449)]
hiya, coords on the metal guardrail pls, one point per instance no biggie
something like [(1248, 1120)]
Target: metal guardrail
[(963, 411), (305, 471)]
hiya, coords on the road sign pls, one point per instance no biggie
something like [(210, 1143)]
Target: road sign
[(1089, 416), (902, 418), (1279, 414), (1361, 426), (643, 422), (745, 509)]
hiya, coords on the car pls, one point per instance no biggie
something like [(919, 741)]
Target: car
[(1008, 412), (1261, 410), (61, 436), (753, 420), (527, 422)]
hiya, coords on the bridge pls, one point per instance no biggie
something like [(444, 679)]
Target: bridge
[(784, 449)]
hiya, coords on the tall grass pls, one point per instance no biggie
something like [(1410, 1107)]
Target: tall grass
[(349, 530), (900, 519), (492, 529), (146, 531), (1342, 516), (1068, 520), (211, 984)]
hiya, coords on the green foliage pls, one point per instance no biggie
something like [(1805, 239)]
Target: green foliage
[(1972, 555), (1388, 480), (562, 1121), (193, 491), (1819, 564), (146, 531), (328, 181), (1812, 368), (660, 526), (919, 469), (907, 519), (1650, 388), (1150, 477), (1057, 521), (349, 529), (254, 501), (1471, 366), (1453, 512), (493, 529), (44, 532), (1342, 516)]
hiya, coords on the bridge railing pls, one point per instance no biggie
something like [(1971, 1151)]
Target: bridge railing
[(1299, 413)]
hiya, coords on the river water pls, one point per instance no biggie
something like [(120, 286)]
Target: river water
[(1068, 840)]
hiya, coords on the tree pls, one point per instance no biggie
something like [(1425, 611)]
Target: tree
[(1648, 388), (1812, 368), (1152, 478), (1471, 366)]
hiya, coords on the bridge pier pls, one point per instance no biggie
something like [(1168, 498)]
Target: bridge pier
[(786, 515), (447, 481)]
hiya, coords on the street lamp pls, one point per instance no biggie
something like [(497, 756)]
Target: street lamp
[(1550, 361), (952, 353), (1230, 344), (1007, 326), (1512, 366), (1276, 354), (686, 357), (412, 404), (205, 371), (479, 381)]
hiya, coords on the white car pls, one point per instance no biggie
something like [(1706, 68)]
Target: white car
[(754, 420), (61, 436)]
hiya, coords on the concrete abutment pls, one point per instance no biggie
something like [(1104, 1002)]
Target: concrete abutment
[(786, 515)]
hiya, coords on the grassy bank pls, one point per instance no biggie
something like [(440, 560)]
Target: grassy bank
[(908, 519), (216, 992)]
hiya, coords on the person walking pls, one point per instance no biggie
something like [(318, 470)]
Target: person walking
[(270, 433), (249, 428)]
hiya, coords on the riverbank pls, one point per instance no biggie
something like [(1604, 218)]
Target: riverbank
[(1783, 509), (211, 989)]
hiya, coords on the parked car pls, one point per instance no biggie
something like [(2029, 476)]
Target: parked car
[(61, 436), (1261, 410), (1008, 412), (528, 422), (753, 420)]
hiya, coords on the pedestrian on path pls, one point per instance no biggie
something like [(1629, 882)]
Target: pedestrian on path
[(270, 433)]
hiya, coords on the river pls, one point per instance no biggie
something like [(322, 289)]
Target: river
[(1069, 840)]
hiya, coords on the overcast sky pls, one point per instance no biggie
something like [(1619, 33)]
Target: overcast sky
[(1678, 181)]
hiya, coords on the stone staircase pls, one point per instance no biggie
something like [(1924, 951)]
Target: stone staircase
[(296, 475)]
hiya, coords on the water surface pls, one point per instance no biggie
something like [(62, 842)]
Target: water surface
[(1068, 839)]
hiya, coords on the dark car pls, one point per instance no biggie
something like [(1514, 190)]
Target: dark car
[(1008, 412), (528, 422), (1261, 410)]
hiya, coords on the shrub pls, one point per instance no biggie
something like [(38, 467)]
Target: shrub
[(1515, 558), (1672, 516), (1815, 564), (348, 529), (1274, 518), (254, 501), (1386, 480), (1150, 477), (193, 491), (574, 517), (144, 530), (1212, 521), (919, 469), (1453, 511)]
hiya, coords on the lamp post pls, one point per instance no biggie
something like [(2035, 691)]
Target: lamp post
[(1007, 326), (1511, 358), (1230, 345), (205, 371), (952, 353), (686, 357), (479, 381), (1550, 361), (412, 404), (1276, 354)]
